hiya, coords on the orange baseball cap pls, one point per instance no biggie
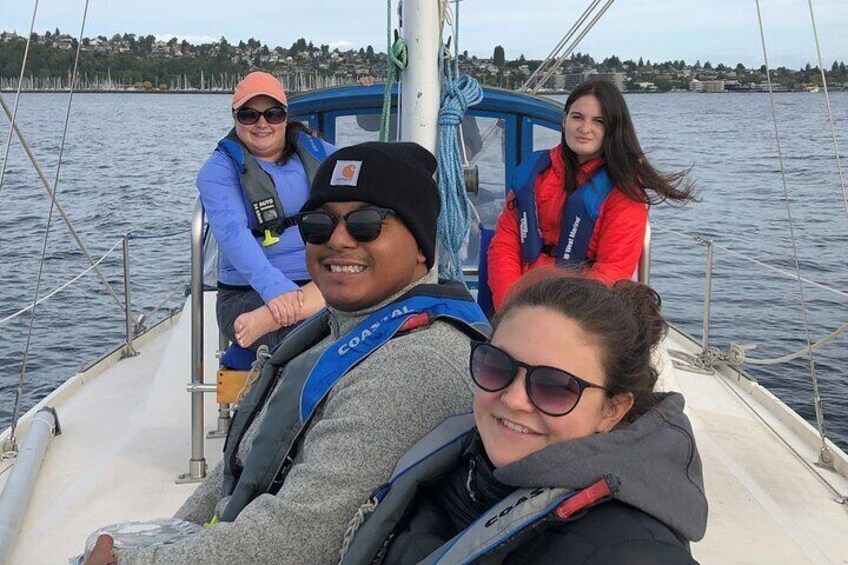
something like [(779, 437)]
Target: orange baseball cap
[(258, 83)]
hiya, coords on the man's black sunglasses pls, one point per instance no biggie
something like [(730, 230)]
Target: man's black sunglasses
[(363, 225), (552, 391), (249, 116)]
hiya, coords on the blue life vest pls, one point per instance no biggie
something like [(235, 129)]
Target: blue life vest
[(579, 214), (310, 377), (433, 457), (258, 186)]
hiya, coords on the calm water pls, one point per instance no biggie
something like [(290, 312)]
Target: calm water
[(130, 162)]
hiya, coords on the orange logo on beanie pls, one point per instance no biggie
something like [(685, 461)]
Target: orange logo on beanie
[(346, 173)]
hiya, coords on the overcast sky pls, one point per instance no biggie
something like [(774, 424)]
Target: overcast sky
[(715, 30)]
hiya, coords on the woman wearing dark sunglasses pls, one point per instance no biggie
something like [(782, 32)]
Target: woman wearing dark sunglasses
[(570, 457), (257, 177)]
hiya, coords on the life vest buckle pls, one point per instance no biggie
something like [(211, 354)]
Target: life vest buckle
[(270, 239)]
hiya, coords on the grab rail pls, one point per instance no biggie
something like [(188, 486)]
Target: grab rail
[(197, 462)]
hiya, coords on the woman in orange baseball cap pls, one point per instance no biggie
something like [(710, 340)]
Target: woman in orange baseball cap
[(253, 184)]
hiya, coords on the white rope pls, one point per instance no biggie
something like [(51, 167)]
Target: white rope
[(816, 395), (18, 95), (355, 523), (263, 353), (792, 356), (829, 110), (61, 288)]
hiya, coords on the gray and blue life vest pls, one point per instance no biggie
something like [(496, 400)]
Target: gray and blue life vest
[(506, 521), (312, 373), (258, 186), (579, 214)]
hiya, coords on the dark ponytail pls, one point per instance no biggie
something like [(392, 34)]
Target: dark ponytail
[(624, 320)]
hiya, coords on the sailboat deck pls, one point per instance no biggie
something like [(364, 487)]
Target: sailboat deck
[(768, 503), (126, 438)]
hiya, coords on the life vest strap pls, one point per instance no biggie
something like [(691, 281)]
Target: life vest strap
[(283, 225), (589, 496)]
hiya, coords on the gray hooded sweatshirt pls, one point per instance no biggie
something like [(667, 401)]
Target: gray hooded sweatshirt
[(658, 503)]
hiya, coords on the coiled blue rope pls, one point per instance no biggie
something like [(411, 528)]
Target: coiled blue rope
[(455, 218)]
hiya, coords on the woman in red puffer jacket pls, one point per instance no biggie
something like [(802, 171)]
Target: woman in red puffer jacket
[(601, 169)]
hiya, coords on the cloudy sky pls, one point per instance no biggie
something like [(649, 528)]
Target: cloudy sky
[(715, 30)]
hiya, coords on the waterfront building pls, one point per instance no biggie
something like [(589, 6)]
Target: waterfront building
[(713, 85)]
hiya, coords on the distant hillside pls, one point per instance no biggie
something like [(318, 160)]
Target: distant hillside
[(142, 62)]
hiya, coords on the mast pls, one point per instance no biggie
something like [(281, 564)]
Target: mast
[(420, 90)]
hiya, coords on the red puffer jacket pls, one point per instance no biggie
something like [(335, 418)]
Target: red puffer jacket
[(614, 249)]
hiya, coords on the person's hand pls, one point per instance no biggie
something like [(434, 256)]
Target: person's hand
[(102, 553), (286, 307)]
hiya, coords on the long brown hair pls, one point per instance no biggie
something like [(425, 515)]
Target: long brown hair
[(623, 320), (626, 163)]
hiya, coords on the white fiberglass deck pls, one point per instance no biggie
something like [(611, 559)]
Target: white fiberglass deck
[(126, 438), (768, 503)]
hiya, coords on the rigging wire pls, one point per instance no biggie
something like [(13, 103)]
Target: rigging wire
[(829, 109), (793, 276), (18, 95), (20, 387), (558, 47), (825, 454), (488, 135), (68, 222), (571, 47), (59, 289)]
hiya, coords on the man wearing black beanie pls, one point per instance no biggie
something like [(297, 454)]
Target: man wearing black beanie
[(397, 177), (351, 389)]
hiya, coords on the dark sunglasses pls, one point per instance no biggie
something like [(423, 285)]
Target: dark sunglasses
[(363, 225), (552, 391), (249, 116)]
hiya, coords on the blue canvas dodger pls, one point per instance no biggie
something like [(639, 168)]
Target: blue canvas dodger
[(578, 217), (308, 380), (258, 186)]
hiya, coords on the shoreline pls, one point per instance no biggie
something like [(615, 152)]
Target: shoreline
[(229, 92)]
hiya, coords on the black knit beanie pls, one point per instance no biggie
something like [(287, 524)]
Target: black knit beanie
[(396, 175)]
